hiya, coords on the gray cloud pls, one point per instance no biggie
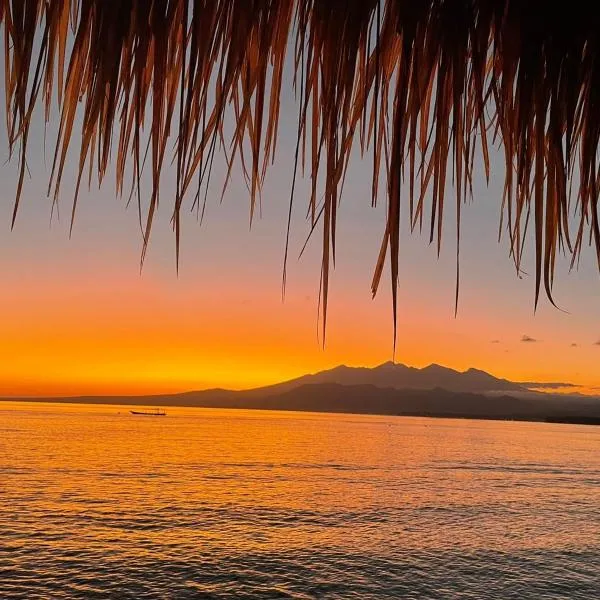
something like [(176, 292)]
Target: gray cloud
[(495, 341), (528, 339), (548, 385), (574, 345)]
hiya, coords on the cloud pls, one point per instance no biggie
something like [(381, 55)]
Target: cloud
[(495, 341), (597, 343), (547, 385), (574, 345), (527, 339)]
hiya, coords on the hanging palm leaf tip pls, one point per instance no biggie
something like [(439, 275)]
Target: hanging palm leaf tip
[(424, 86)]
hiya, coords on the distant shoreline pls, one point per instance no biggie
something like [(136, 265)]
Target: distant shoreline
[(151, 400), (387, 390)]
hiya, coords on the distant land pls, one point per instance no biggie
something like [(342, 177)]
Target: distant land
[(388, 389)]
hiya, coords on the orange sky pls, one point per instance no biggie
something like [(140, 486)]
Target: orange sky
[(76, 316), (108, 330)]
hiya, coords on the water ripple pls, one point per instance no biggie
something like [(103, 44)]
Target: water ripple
[(230, 504)]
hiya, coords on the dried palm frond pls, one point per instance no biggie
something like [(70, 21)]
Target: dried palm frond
[(424, 85)]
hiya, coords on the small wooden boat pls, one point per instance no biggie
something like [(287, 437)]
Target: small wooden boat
[(156, 412)]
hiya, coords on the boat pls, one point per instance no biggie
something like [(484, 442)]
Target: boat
[(151, 412)]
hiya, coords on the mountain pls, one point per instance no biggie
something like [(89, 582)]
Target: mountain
[(399, 376), (389, 389)]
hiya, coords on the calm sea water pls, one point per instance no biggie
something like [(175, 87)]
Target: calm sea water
[(97, 503)]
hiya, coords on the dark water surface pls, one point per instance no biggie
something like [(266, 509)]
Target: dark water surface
[(97, 503)]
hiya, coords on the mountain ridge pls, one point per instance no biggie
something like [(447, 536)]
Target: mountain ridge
[(387, 389), (401, 376)]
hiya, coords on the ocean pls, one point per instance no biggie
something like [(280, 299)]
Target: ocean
[(98, 503)]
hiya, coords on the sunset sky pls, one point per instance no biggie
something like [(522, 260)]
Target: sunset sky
[(77, 317)]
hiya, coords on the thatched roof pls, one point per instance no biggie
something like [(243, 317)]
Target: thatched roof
[(422, 88)]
